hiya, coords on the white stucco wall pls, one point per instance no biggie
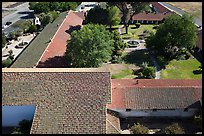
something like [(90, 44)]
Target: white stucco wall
[(11, 115), (159, 113)]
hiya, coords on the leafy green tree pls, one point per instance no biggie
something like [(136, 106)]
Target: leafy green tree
[(54, 6), (33, 28), (47, 19), (12, 35), (3, 40), (128, 9), (97, 15), (89, 47), (118, 46), (139, 129), (113, 16), (55, 14), (173, 36), (40, 7), (174, 129)]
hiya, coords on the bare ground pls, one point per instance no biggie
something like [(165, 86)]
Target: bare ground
[(117, 68), (194, 8), (6, 4)]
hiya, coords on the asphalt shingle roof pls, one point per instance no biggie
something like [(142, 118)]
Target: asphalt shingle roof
[(161, 98), (71, 102)]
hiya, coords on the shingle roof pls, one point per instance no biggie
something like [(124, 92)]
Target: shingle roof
[(66, 102), (161, 98), (151, 16), (122, 94)]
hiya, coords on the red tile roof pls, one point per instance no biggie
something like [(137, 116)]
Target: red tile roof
[(120, 86), (159, 7), (151, 16), (58, 45)]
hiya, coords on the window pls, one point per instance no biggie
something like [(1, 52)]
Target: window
[(154, 110), (128, 110), (186, 109)]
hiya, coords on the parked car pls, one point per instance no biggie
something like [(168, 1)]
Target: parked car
[(8, 23)]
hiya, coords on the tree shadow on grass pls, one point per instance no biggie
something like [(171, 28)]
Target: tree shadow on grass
[(73, 28), (137, 57), (55, 62)]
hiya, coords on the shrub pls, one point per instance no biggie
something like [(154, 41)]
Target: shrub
[(19, 33), (3, 40), (6, 62), (174, 129), (148, 72), (137, 25), (139, 129)]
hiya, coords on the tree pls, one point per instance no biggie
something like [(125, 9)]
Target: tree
[(54, 6), (118, 46), (139, 129), (12, 35), (113, 16), (39, 7), (173, 36), (174, 129), (33, 28), (89, 47), (3, 40), (128, 9), (97, 15), (47, 19)]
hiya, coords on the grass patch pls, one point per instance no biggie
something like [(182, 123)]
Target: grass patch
[(134, 32), (182, 69), (33, 52), (128, 73)]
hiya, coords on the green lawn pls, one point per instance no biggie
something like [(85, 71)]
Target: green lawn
[(182, 69), (127, 73), (133, 32), (33, 52)]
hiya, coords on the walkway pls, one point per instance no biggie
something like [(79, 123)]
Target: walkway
[(157, 67), (53, 56)]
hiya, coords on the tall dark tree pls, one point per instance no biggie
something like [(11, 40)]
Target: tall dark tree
[(97, 15), (128, 10)]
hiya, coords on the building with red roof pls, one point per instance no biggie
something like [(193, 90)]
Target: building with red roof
[(156, 98)]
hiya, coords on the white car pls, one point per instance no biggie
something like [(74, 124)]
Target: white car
[(142, 41)]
